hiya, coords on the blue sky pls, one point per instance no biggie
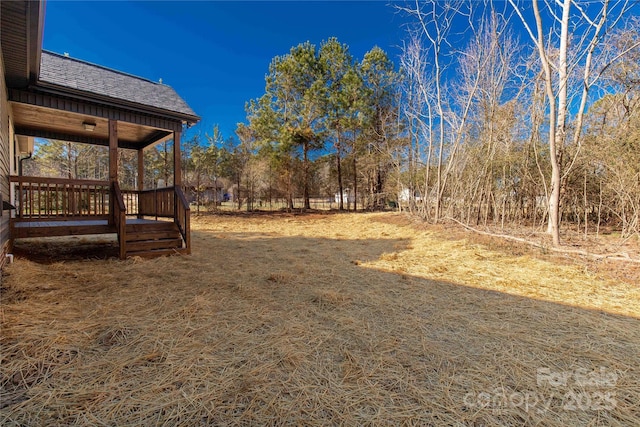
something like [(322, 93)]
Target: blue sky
[(214, 53)]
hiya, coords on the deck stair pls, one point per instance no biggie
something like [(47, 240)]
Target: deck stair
[(153, 239)]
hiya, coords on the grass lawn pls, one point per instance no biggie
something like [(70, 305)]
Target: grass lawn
[(319, 319)]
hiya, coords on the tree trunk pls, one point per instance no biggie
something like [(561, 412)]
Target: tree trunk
[(563, 80), (249, 194), (556, 130), (69, 161), (305, 166), (439, 191), (289, 191), (238, 195), (586, 211), (355, 185), (198, 193), (340, 190)]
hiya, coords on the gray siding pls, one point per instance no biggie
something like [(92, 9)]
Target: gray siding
[(4, 163)]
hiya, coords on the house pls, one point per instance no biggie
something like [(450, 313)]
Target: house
[(347, 197), (46, 95), (209, 193)]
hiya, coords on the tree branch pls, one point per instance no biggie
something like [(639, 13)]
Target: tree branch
[(618, 256)]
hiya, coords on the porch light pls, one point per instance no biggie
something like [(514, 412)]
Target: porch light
[(89, 127)]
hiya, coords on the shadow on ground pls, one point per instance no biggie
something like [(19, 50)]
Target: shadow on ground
[(259, 329), (71, 248)]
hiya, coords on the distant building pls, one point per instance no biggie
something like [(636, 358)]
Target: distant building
[(347, 196)]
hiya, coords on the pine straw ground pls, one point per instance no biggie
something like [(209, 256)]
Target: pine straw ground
[(345, 319)]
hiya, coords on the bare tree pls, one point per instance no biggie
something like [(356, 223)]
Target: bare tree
[(435, 21), (441, 109), (579, 27), (419, 91)]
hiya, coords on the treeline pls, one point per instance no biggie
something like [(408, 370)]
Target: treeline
[(497, 113), (532, 118), (529, 116)]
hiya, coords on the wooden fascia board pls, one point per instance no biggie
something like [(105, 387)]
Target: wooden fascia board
[(92, 109), (35, 20), (112, 102), (46, 134)]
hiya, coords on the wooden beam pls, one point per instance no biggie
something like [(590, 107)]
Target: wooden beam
[(155, 138), (46, 134), (92, 108), (113, 151), (63, 136), (113, 167), (177, 161), (60, 228), (140, 182)]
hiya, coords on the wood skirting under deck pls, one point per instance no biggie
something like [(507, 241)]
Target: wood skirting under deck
[(30, 229)]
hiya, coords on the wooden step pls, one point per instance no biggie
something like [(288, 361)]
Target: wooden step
[(155, 226), (153, 239), (157, 252), (147, 245), (152, 235)]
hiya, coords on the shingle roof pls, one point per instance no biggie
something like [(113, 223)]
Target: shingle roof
[(86, 77)]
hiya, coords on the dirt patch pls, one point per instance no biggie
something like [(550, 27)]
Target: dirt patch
[(337, 319)]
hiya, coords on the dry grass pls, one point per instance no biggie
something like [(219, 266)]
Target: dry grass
[(316, 320)]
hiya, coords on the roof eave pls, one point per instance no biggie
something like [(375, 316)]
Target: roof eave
[(36, 29), (113, 102), (26, 19)]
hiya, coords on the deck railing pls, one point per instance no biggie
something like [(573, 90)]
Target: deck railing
[(39, 198), (158, 202), (182, 217), (168, 202), (130, 198)]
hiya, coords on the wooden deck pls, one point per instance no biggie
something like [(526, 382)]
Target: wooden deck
[(66, 207), (29, 229)]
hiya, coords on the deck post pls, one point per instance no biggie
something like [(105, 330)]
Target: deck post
[(140, 182), (177, 167), (113, 150), (113, 162)]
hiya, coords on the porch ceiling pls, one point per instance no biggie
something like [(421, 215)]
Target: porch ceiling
[(43, 122)]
